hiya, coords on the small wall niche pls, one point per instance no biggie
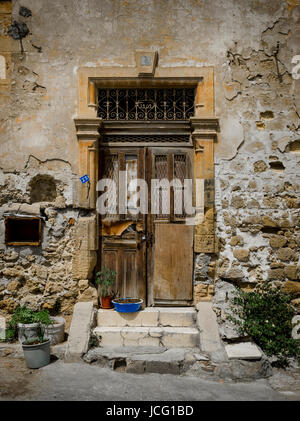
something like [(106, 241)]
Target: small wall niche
[(42, 189), (21, 231)]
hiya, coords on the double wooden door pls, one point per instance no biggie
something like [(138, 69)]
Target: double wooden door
[(151, 250)]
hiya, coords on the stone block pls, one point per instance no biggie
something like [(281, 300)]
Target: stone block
[(291, 287), (80, 330), (89, 294), (181, 317), (241, 254), (148, 337), (236, 240), (292, 272), (207, 324), (184, 337), (234, 274), (141, 318), (205, 243), (109, 337), (83, 264), (296, 305), (276, 274), (135, 367), (286, 254), (162, 367), (278, 241), (140, 336), (243, 351)]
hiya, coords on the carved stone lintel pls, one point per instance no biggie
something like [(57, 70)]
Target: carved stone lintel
[(88, 128), (206, 127)]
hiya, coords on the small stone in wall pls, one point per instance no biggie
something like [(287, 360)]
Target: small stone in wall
[(237, 202), (83, 284), (286, 254), (89, 294), (292, 287), (241, 254), (234, 274), (13, 286), (8, 305), (260, 166), (277, 241), (237, 240), (269, 222), (292, 272), (276, 274), (296, 305)]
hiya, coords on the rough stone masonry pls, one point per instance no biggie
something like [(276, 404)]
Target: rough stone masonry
[(250, 45)]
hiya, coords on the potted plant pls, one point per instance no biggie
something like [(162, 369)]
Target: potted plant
[(25, 324), (37, 350), (105, 278)]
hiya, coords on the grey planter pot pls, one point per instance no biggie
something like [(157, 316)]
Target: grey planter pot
[(56, 331), (38, 355)]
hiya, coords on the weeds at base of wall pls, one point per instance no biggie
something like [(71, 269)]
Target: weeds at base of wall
[(266, 315)]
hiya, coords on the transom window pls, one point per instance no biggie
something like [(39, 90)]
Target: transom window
[(130, 104)]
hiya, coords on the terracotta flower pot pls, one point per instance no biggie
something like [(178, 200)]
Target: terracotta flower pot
[(106, 302)]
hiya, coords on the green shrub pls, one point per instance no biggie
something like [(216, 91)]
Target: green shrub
[(266, 315), (25, 315)]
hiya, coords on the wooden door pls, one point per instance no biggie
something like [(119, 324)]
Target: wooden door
[(170, 254), (123, 235)]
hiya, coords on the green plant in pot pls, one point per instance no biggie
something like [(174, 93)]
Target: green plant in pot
[(37, 350), (29, 326), (105, 279)]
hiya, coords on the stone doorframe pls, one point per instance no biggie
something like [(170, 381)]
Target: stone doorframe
[(204, 127)]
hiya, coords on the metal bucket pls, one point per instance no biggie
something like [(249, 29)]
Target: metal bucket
[(38, 355)]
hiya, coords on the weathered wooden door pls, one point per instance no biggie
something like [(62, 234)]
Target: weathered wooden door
[(122, 234), (170, 257), (152, 254)]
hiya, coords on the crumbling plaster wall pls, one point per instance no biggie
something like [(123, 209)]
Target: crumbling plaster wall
[(257, 201)]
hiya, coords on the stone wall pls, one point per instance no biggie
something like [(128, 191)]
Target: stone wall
[(249, 44)]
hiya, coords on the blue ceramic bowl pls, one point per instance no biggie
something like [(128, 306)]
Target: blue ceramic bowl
[(127, 307)]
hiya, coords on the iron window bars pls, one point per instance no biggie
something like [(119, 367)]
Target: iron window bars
[(154, 104)]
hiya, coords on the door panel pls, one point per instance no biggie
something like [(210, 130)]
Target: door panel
[(170, 259), (152, 254), (122, 245), (173, 262)]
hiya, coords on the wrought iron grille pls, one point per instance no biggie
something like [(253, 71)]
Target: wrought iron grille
[(145, 138), (146, 104)]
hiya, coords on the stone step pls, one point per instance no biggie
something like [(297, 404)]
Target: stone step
[(169, 337), (149, 317), (139, 360)]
